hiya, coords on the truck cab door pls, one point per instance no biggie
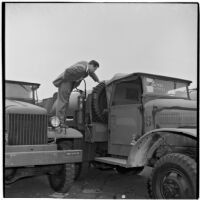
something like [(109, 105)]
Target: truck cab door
[(125, 117)]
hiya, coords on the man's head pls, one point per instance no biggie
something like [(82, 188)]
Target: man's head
[(92, 66)]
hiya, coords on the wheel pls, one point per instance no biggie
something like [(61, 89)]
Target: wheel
[(63, 179), (78, 169), (134, 171), (66, 145), (10, 175), (99, 103), (174, 177)]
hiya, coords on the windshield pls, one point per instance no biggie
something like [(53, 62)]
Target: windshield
[(172, 88), (20, 91)]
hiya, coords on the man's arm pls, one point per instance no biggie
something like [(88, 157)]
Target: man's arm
[(94, 77)]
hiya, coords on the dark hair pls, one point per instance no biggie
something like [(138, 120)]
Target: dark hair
[(94, 63)]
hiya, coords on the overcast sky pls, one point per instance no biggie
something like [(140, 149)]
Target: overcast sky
[(43, 39)]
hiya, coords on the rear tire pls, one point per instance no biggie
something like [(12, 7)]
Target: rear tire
[(174, 176), (63, 179)]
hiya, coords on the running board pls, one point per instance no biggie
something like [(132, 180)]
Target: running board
[(112, 161)]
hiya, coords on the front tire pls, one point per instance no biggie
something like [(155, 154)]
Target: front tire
[(173, 177), (68, 145), (63, 179)]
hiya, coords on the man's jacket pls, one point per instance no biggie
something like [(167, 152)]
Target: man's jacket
[(76, 73)]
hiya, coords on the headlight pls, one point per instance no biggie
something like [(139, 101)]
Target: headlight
[(55, 122)]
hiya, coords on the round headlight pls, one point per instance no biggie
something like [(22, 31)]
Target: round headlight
[(55, 122)]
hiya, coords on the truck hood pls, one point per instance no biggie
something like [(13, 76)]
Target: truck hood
[(171, 113), (172, 103), (20, 107)]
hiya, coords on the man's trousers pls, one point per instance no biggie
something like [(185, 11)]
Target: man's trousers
[(62, 101)]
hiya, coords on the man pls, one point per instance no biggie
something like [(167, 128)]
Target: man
[(70, 79)]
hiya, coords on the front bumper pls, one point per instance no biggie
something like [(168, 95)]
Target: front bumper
[(42, 157)]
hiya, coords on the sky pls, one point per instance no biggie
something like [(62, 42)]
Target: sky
[(43, 39)]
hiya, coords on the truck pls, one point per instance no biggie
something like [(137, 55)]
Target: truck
[(27, 151), (136, 120)]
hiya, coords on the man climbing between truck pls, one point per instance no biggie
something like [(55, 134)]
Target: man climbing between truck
[(67, 81)]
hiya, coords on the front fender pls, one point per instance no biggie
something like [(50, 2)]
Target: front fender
[(64, 133), (144, 148)]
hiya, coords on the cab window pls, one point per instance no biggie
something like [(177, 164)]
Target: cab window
[(127, 93)]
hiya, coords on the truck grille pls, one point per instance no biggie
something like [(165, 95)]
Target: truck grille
[(25, 129), (175, 119)]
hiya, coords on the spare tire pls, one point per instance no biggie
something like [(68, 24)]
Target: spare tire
[(99, 103)]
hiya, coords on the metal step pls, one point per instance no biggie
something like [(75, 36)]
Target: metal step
[(112, 161)]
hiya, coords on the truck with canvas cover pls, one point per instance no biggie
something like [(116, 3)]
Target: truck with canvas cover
[(27, 150), (137, 120)]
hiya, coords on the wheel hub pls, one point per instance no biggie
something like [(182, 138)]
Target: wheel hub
[(174, 185), (171, 188)]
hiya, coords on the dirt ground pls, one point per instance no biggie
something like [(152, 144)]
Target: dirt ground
[(100, 184)]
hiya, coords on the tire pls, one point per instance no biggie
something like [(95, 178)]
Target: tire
[(99, 103), (66, 145), (133, 171), (63, 179), (174, 176)]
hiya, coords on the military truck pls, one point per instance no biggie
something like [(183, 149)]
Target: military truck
[(27, 150), (138, 120)]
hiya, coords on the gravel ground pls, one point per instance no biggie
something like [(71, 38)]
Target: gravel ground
[(101, 184)]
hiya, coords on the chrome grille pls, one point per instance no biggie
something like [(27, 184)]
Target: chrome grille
[(25, 129)]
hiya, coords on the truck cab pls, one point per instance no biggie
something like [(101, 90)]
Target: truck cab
[(139, 103)]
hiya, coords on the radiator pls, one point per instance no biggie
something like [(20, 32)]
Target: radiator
[(26, 129)]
